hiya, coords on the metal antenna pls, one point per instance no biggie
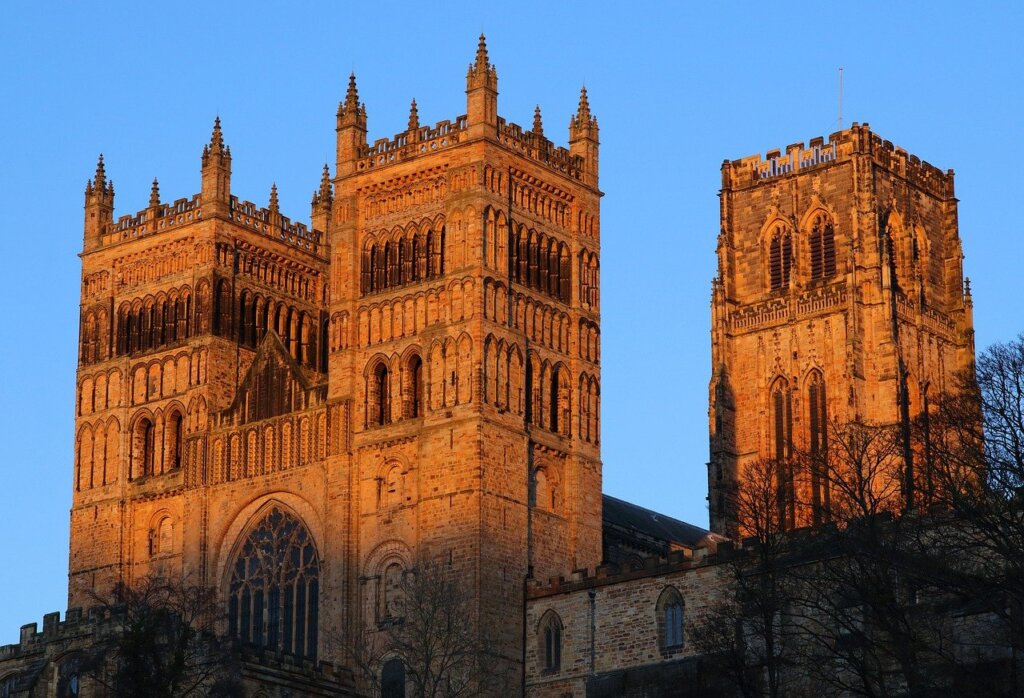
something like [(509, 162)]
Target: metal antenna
[(840, 98)]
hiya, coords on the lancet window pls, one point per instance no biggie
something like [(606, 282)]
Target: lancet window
[(818, 430), (823, 247), (670, 619), (550, 641), (780, 257)]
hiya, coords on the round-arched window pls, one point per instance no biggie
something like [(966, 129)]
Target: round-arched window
[(275, 587)]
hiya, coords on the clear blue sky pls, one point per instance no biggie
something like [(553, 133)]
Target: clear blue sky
[(677, 87)]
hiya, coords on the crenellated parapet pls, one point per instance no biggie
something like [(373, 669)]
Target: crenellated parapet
[(357, 155), (798, 158), (713, 551), (214, 201)]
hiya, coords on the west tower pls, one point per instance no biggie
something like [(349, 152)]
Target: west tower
[(465, 337), (412, 379), (839, 296)]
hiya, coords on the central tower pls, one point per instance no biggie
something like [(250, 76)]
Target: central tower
[(839, 296)]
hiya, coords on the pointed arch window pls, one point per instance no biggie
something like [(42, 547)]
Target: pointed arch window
[(550, 641), (274, 595), (670, 619), (818, 433), (782, 448), (823, 247), (889, 245), (780, 258)]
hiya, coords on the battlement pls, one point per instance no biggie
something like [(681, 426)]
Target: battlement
[(411, 143), (841, 146), (277, 226), (75, 624), (149, 221), (712, 552), (540, 149), (153, 220), (422, 140)]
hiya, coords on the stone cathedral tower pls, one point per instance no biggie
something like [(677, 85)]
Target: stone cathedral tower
[(294, 415), (840, 295)]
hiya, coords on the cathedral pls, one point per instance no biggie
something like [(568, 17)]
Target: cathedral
[(296, 416)]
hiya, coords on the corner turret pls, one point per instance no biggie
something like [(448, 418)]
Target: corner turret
[(583, 140), (99, 207), (216, 174), (323, 204), (351, 129), (482, 94)]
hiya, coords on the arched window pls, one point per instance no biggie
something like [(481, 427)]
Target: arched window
[(274, 596), (222, 309), (161, 537), (782, 440), (780, 258), (389, 488), (392, 601), (378, 408), (175, 435), (414, 386), (889, 251), (143, 448), (7, 686), (670, 620), (392, 679), (69, 678), (558, 403), (818, 433), (823, 247), (550, 641)]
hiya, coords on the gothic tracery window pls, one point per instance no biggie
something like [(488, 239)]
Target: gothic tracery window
[(273, 599)]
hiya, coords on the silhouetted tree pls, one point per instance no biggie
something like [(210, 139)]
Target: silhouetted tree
[(431, 643), (165, 645)]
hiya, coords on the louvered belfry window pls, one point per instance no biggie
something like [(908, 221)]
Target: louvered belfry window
[(823, 248), (780, 258)]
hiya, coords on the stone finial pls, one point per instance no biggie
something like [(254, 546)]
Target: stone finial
[(583, 110), (217, 137), (414, 117), (216, 145), (154, 194), (324, 196), (325, 180), (100, 181), (273, 198), (538, 124), (967, 289), (352, 94), (481, 53)]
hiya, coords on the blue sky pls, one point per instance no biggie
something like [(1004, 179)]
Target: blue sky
[(677, 87)]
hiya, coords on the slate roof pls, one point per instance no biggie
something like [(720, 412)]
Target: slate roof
[(631, 517)]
